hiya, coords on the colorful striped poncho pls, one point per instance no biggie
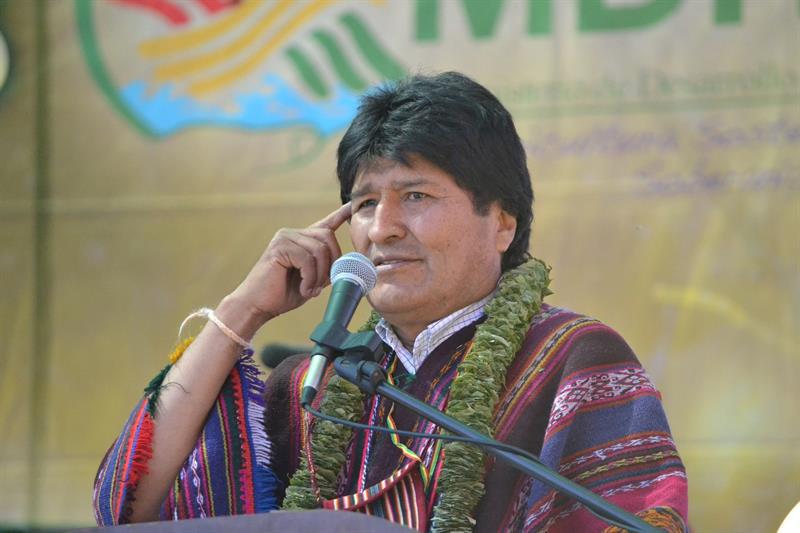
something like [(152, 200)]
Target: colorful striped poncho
[(575, 395)]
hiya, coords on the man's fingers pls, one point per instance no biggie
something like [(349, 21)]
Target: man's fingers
[(321, 255), (311, 251), (335, 219), (306, 263), (327, 237), (307, 279)]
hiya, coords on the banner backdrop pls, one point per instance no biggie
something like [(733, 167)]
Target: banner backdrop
[(152, 148)]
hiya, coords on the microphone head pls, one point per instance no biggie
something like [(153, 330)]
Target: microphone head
[(357, 268)]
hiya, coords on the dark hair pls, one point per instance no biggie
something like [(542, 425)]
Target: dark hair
[(459, 126)]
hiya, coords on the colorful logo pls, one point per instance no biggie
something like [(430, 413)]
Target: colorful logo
[(168, 65)]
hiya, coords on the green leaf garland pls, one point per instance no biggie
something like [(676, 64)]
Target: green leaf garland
[(477, 387)]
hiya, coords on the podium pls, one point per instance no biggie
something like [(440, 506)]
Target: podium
[(316, 521)]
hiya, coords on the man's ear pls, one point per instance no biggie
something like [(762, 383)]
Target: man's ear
[(506, 228)]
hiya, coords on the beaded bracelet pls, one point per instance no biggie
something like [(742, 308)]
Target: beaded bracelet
[(210, 315)]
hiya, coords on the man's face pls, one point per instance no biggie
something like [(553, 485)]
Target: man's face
[(433, 252)]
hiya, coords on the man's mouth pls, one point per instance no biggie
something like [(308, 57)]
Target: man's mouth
[(389, 262)]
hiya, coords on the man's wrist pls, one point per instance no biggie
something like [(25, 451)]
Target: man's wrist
[(241, 316)]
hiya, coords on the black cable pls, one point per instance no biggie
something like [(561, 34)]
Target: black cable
[(481, 443), (455, 438)]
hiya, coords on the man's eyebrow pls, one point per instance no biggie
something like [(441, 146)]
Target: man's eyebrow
[(396, 185)]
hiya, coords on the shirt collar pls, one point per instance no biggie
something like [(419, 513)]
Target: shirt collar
[(432, 336)]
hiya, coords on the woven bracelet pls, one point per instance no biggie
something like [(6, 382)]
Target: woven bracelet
[(210, 315)]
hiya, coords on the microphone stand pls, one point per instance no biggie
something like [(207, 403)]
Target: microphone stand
[(358, 366)]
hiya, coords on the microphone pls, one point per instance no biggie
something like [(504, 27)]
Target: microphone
[(352, 276)]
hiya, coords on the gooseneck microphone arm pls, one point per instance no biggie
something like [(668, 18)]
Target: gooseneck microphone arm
[(345, 296), (352, 276)]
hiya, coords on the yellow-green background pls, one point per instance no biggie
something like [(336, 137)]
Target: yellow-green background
[(109, 238)]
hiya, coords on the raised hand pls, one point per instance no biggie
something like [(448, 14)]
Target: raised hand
[(294, 267)]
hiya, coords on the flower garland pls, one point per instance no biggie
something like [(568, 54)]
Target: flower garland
[(474, 394)]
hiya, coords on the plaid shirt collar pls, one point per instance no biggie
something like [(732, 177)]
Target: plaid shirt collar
[(432, 336)]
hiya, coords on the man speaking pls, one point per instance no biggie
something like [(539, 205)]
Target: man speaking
[(435, 186)]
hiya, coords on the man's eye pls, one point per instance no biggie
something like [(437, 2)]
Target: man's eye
[(417, 195), (365, 203)]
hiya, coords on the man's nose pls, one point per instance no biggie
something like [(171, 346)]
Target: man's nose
[(388, 222)]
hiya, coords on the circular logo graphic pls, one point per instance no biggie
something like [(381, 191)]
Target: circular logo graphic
[(250, 65)]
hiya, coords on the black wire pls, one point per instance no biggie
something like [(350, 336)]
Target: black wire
[(481, 443), (455, 438)]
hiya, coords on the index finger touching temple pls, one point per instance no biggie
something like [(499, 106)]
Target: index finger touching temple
[(335, 219)]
